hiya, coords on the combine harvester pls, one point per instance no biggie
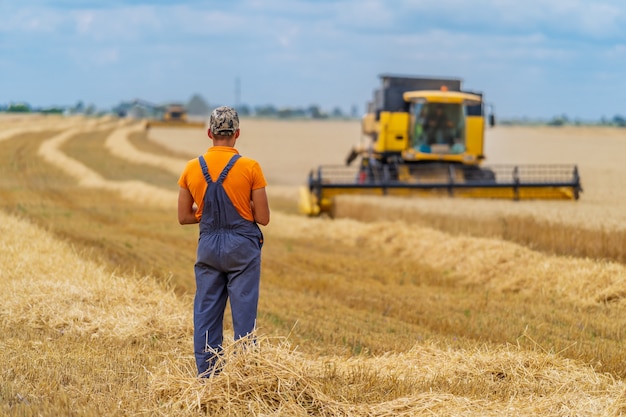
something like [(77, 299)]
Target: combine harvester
[(173, 115), (425, 137)]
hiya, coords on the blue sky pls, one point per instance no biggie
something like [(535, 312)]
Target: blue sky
[(532, 58)]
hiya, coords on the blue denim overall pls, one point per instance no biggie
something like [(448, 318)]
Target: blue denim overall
[(228, 265)]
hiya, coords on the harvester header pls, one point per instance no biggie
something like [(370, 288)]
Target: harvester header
[(425, 137)]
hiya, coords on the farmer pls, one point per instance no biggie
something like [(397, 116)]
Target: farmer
[(225, 193), (437, 127)]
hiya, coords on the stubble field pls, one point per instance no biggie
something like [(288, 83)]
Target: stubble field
[(396, 307)]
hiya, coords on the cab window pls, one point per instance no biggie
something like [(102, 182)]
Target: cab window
[(438, 127)]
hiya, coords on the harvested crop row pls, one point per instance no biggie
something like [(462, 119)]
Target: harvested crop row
[(68, 310)]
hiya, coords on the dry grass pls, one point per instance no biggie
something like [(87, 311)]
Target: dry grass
[(596, 221), (548, 230), (287, 151), (73, 333), (101, 225), (82, 340), (130, 189), (489, 263), (19, 124), (356, 319), (274, 380)]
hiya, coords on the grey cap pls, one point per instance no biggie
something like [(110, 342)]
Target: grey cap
[(224, 121)]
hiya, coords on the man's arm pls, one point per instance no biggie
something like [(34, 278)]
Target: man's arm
[(186, 207), (260, 206)]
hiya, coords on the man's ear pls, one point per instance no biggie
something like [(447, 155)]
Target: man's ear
[(237, 133), (209, 133)]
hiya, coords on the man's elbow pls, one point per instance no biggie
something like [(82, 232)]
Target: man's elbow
[(191, 219), (262, 220)]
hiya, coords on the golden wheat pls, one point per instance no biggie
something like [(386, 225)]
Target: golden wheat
[(87, 177), (82, 340), (133, 336)]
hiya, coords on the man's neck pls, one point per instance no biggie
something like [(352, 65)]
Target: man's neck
[(224, 142)]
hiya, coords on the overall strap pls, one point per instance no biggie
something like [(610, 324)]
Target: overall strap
[(227, 168), (205, 169)]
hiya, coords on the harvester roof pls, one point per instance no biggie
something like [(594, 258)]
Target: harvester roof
[(440, 96)]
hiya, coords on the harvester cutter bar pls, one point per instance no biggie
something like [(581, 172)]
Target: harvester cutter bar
[(450, 177)]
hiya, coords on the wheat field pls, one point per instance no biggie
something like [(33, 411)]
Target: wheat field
[(288, 153), (394, 308)]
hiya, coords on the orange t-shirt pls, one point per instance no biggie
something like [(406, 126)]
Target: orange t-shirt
[(246, 175)]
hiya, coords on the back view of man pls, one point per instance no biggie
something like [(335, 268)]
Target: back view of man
[(225, 193)]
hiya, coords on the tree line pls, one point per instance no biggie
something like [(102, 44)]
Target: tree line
[(197, 106)]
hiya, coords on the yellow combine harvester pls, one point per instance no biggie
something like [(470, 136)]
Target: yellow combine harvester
[(174, 115), (426, 138)]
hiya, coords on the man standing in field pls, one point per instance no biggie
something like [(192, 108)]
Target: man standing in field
[(225, 193)]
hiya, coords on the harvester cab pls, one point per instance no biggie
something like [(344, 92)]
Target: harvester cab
[(425, 137)]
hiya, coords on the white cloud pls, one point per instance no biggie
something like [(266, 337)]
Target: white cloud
[(31, 20), (114, 24), (95, 23), (84, 21), (603, 19), (616, 52), (286, 37), (105, 56), (94, 58), (584, 18), (365, 14)]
